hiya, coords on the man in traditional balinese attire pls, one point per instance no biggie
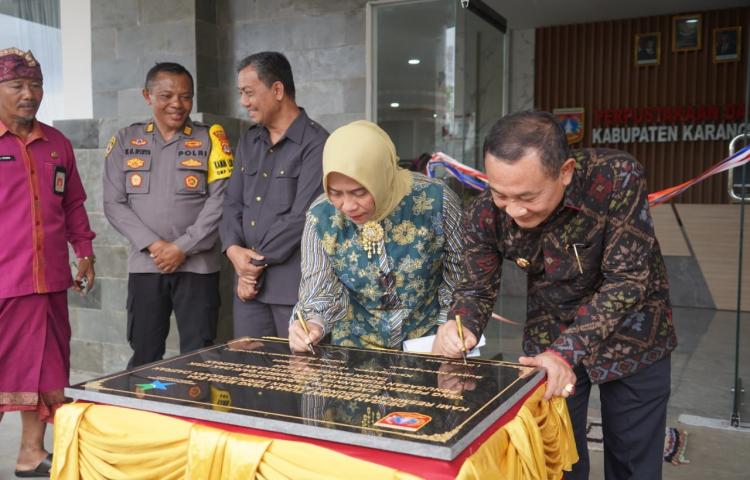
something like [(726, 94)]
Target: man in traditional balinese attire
[(42, 198)]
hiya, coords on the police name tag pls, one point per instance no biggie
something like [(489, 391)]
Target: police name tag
[(7, 158), (59, 186)]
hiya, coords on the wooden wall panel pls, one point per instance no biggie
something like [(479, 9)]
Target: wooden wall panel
[(592, 66)]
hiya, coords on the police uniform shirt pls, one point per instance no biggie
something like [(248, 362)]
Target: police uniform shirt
[(168, 190)]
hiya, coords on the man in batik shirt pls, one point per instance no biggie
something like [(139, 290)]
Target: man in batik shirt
[(598, 305), (42, 198)]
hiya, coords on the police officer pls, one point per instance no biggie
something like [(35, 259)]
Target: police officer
[(164, 185)]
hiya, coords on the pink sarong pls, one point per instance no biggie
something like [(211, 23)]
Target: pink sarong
[(34, 352)]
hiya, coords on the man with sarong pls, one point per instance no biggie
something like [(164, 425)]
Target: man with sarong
[(42, 211)]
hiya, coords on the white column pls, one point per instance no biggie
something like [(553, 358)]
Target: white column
[(75, 26)]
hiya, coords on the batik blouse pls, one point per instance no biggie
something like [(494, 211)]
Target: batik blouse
[(404, 291)]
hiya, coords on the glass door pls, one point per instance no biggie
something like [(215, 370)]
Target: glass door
[(437, 78)]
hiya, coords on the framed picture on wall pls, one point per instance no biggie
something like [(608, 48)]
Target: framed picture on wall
[(687, 33), (647, 50), (727, 44)]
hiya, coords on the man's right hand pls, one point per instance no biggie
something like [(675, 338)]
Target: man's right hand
[(559, 374), (298, 339), (447, 342), (157, 247), (246, 289), (242, 259)]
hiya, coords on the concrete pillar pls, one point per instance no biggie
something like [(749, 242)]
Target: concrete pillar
[(75, 27)]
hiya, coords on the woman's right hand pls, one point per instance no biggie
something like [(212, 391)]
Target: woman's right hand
[(299, 340)]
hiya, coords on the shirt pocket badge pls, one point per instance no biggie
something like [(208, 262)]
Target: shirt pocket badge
[(137, 182), (191, 175), (59, 180)]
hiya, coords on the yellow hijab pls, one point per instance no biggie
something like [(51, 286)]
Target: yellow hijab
[(364, 152)]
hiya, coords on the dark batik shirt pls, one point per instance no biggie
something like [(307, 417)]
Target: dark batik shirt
[(614, 318)]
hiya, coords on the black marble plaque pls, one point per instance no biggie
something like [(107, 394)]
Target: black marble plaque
[(409, 403)]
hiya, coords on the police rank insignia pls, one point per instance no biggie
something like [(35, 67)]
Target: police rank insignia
[(136, 180), (138, 142), (193, 144), (110, 145), (409, 421), (191, 162), (192, 182), (59, 186), (135, 162)]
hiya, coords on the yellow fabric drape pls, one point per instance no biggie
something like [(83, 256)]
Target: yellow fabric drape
[(107, 442), (538, 444)]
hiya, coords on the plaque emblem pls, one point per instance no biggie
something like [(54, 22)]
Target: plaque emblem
[(409, 421), (193, 143), (136, 180), (191, 182), (135, 163), (522, 263), (155, 385), (191, 162), (194, 391), (138, 142), (221, 399)]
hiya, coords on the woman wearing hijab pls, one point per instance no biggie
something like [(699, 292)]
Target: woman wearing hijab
[(380, 249)]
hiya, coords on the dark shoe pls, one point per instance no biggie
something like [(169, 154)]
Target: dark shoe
[(41, 470)]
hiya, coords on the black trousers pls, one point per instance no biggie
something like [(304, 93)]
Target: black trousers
[(194, 297), (634, 416), (258, 319)]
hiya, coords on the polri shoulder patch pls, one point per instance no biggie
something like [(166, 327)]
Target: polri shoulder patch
[(220, 160)]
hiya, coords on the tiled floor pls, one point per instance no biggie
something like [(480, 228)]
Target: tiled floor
[(702, 369), (702, 376)]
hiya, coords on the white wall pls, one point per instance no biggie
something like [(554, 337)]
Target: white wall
[(44, 43)]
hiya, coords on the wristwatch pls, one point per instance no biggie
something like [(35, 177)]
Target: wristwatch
[(89, 257)]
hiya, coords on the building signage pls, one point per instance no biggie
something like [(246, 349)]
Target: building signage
[(667, 124)]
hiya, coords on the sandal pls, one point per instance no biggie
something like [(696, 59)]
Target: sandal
[(41, 470)]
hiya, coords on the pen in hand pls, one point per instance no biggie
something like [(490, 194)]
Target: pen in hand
[(307, 331), (460, 329)]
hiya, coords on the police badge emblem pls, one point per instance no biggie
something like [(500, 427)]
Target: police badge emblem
[(136, 180), (191, 182)]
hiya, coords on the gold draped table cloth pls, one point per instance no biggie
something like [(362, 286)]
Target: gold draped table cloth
[(533, 441)]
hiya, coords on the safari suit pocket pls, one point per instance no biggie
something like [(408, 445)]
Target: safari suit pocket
[(191, 177), (137, 174)]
